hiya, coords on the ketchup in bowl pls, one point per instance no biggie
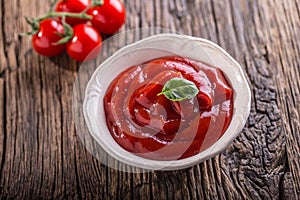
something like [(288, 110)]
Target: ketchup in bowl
[(154, 127)]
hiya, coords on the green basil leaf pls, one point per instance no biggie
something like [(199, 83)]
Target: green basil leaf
[(178, 89)]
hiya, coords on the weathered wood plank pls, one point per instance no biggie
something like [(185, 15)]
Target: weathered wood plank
[(251, 151), (9, 34), (41, 156), (287, 51)]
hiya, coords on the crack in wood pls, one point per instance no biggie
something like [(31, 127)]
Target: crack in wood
[(2, 44), (215, 20), (3, 133), (77, 178)]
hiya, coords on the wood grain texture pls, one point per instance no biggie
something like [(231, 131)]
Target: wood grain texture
[(42, 158)]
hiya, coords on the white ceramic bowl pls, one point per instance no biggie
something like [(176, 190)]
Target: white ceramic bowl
[(155, 47)]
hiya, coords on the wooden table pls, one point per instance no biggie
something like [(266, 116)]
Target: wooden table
[(42, 158)]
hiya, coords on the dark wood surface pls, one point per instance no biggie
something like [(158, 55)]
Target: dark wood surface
[(42, 158)]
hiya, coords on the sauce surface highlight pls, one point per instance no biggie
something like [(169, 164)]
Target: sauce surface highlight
[(154, 127)]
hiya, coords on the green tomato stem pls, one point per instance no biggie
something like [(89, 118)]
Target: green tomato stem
[(82, 15), (97, 2), (52, 5)]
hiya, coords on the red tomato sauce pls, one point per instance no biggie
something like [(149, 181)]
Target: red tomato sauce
[(157, 128)]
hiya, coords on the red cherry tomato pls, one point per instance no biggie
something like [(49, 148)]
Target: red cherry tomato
[(109, 17), (44, 40), (72, 6), (85, 44)]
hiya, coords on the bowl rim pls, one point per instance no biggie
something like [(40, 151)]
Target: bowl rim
[(137, 161)]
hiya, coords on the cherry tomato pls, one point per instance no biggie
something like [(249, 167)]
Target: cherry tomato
[(44, 40), (72, 6), (109, 17), (85, 43)]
